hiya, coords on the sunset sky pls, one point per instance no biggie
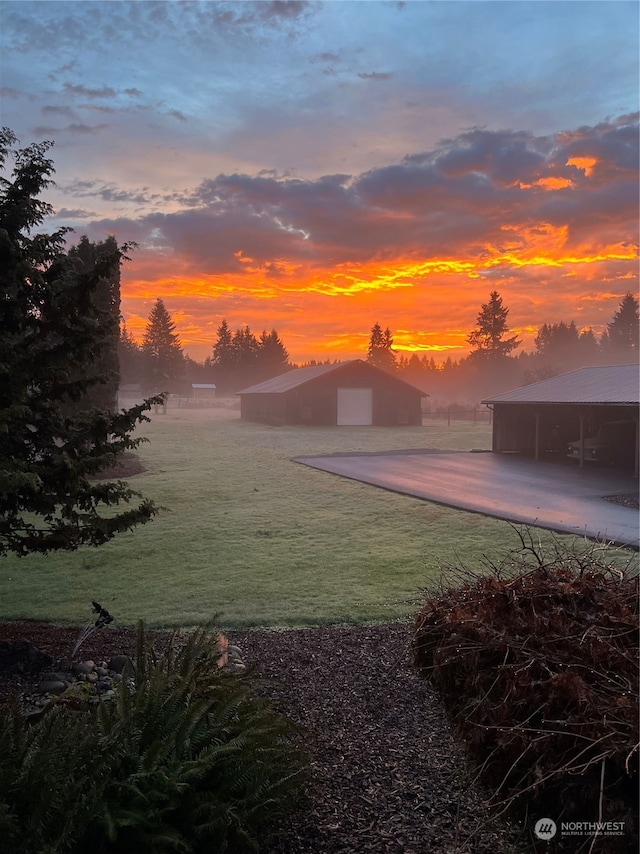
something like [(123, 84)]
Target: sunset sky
[(318, 167)]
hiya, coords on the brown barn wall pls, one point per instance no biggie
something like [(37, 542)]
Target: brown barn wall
[(316, 402)]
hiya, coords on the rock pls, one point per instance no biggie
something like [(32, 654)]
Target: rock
[(119, 662), (53, 687), (103, 685), (22, 657), (102, 671), (92, 677), (82, 669), (90, 664), (56, 677)]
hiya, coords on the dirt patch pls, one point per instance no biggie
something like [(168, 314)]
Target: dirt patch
[(387, 776)]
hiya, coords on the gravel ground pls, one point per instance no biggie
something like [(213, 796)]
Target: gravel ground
[(386, 775)]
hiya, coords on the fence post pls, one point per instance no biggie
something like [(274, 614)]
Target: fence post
[(448, 416)]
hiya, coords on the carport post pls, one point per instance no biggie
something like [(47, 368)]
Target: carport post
[(537, 445), (581, 419)]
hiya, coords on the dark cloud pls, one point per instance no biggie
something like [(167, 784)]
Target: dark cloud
[(74, 213), (88, 92), (73, 128), (109, 193), (327, 56), (177, 114), (57, 110), (133, 92), (479, 194), (375, 75)]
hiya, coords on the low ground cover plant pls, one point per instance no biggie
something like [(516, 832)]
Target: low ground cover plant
[(537, 664), (185, 758)]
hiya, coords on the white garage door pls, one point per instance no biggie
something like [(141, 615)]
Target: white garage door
[(355, 406)]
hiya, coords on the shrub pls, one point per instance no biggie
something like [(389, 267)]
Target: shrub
[(537, 664), (185, 758)]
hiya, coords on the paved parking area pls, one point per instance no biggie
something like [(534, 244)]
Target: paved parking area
[(560, 497)]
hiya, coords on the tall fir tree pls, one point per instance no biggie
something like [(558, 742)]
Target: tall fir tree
[(162, 351), (51, 329), (380, 350), (273, 356), (106, 367), (488, 339), (130, 358), (620, 340)]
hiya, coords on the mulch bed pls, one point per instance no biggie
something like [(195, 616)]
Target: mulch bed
[(386, 774)]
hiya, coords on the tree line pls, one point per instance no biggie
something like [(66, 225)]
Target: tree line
[(239, 358), (492, 364), (159, 363)]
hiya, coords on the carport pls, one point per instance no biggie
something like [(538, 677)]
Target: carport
[(540, 420)]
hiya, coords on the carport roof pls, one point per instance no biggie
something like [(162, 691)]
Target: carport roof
[(609, 385)]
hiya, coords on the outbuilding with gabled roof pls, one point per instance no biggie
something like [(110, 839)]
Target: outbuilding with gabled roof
[(352, 393), (541, 419)]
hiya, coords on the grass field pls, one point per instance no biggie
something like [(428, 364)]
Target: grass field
[(259, 539)]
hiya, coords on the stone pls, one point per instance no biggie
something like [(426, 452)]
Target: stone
[(53, 687), (56, 677), (103, 685), (102, 671), (22, 657), (92, 677), (82, 669), (119, 662)]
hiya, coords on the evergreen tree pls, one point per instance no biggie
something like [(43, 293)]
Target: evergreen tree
[(589, 347), (488, 338), (246, 350), (620, 341), (273, 356), (223, 348), (52, 328), (162, 351), (130, 358), (380, 351), (106, 367)]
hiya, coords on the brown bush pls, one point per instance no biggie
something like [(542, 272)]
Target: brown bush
[(537, 664)]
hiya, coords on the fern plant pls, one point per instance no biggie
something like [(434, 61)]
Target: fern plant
[(185, 758)]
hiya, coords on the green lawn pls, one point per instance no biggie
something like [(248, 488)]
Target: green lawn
[(259, 539)]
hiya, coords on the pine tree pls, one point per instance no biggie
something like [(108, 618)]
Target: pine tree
[(162, 351), (620, 341), (246, 351), (130, 358), (380, 351), (273, 356), (223, 348), (105, 370), (488, 338), (52, 328)]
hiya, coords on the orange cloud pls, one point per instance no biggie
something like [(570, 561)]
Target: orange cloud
[(586, 164), (551, 223)]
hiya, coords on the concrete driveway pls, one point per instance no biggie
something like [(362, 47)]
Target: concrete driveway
[(559, 497)]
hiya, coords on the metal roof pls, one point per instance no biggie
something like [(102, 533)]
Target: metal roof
[(299, 376), (607, 385), (203, 385)]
